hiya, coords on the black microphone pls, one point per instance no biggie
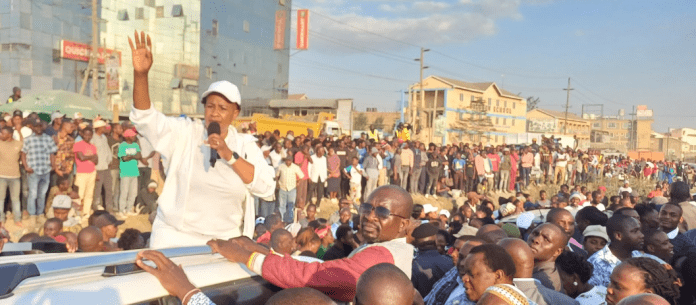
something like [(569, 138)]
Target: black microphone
[(213, 128)]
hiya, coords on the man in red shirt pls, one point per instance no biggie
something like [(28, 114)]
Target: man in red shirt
[(85, 161), (383, 224)]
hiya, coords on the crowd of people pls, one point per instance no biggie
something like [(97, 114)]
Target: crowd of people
[(498, 244)]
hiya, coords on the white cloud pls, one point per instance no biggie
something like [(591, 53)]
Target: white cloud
[(424, 22)]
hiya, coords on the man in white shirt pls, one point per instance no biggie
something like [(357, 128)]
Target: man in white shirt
[(105, 155), (288, 175), (318, 175), (625, 188)]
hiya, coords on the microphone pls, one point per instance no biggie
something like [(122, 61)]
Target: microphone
[(213, 128)]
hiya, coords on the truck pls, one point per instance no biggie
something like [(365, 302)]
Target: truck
[(322, 122)]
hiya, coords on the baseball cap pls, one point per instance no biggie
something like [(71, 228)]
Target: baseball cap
[(77, 116), (62, 202), (445, 212), (17, 113), (576, 195), (424, 230), (374, 150), (129, 133), (56, 115), (226, 89), (98, 124), (429, 208), (596, 230), (260, 220), (107, 219), (152, 184)]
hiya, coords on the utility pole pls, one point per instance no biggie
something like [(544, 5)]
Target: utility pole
[(414, 109), (565, 124), (93, 61)]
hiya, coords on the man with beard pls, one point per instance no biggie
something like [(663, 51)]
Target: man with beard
[(383, 223)]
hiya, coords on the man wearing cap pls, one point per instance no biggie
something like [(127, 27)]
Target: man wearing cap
[(56, 122), (147, 198), (428, 265), (128, 154), (38, 157), (61, 208), (108, 224), (200, 201), (105, 155)]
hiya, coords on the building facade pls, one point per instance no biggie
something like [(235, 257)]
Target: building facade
[(549, 123), (687, 135), (455, 111), (31, 32), (622, 134), (196, 43)]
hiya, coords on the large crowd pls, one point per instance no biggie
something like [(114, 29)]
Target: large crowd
[(498, 244)]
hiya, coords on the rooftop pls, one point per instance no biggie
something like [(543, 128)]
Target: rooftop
[(307, 103), (476, 86)]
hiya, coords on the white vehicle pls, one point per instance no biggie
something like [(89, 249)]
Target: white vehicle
[(113, 278)]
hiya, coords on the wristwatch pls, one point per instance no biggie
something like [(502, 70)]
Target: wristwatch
[(234, 158)]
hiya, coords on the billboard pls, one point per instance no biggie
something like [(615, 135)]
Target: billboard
[(302, 29), (279, 35), (112, 77), (642, 111), (541, 125), (82, 52)]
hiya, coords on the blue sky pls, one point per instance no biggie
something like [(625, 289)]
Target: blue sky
[(617, 53)]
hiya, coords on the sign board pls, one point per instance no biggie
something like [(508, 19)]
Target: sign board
[(82, 52), (642, 111), (302, 29), (112, 76), (279, 36), (541, 125)]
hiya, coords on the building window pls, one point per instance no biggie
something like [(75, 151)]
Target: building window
[(473, 99), (245, 81), (139, 13), (505, 104), (123, 15), (489, 102), (497, 121), (246, 26), (497, 103), (611, 125), (160, 12), (626, 125), (461, 97), (504, 121), (513, 105), (215, 27), (177, 10), (597, 125)]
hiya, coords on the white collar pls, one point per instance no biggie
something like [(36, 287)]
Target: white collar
[(673, 234)]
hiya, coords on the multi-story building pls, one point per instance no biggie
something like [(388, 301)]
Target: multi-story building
[(687, 135), (620, 133), (196, 43), (455, 111), (31, 36)]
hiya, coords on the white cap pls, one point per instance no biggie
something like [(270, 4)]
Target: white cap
[(62, 202), (77, 116), (227, 89), (445, 212), (56, 115), (429, 208), (98, 124)]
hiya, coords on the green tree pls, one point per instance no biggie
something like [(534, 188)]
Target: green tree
[(360, 122), (532, 103), (379, 123)]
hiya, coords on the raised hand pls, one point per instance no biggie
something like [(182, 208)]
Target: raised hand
[(142, 53)]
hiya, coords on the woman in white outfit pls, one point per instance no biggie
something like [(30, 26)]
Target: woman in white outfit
[(200, 201)]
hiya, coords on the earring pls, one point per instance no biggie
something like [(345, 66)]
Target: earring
[(575, 283)]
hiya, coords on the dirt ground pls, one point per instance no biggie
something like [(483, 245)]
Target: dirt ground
[(326, 208)]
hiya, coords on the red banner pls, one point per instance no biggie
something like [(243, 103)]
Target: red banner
[(82, 52), (279, 39), (302, 29)]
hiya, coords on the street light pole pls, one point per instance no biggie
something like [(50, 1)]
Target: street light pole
[(414, 109)]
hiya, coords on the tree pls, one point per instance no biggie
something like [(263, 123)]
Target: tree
[(532, 103), (475, 124), (379, 123), (360, 122)]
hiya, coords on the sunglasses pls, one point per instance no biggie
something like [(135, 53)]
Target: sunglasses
[(381, 212)]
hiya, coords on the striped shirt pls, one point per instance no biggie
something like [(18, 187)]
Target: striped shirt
[(38, 149)]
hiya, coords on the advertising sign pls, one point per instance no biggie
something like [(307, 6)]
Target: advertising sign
[(279, 37), (541, 125), (642, 111), (112, 77), (302, 29), (82, 52)]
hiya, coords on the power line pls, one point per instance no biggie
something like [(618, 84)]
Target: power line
[(318, 65), (599, 96), (366, 31), (326, 38)]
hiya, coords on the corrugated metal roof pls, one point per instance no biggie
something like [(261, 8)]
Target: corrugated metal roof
[(476, 86), (309, 103)]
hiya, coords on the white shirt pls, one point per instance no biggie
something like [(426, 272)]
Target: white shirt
[(276, 159), (625, 189), (673, 234), (199, 202), (319, 169), (355, 173), (599, 207), (562, 163), (26, 132), (145, 151), (104, 153)]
